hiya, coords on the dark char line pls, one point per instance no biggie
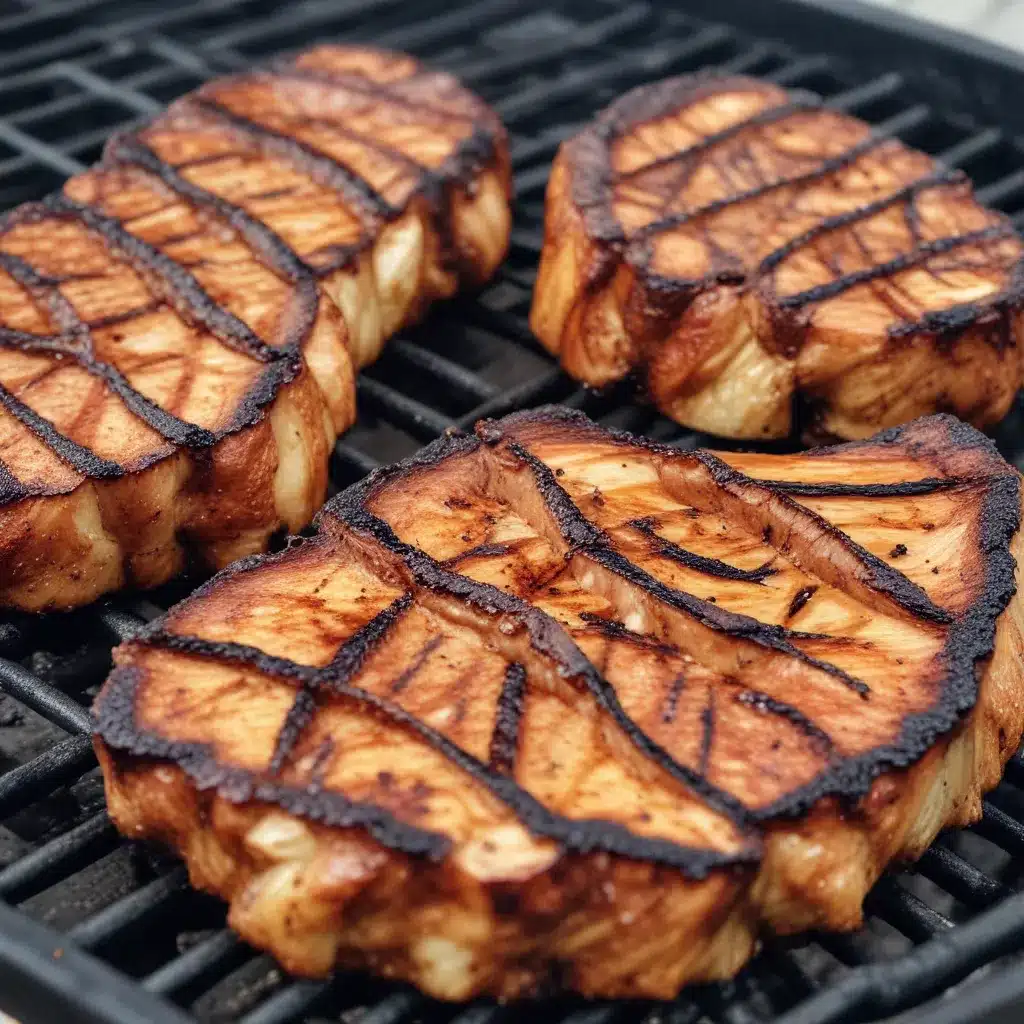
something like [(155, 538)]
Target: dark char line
[(825, 168), (583, 537), (769, 705), (347, 661), (848, 217), (920, 254), (709, 566), (762, 117), (318, 164), (581, 836), (907, 489), (505, 738)]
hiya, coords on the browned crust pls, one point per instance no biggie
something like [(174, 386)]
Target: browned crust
[(823, 845), (221, 480), (602, 306)]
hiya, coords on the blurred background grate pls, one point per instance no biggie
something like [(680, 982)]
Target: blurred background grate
[(93, 928)]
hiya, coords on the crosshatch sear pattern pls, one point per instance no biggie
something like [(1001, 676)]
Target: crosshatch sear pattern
[(742, 247), (182, 325), (550, 706)]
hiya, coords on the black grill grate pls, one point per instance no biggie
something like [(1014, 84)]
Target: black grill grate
[(95, 929)]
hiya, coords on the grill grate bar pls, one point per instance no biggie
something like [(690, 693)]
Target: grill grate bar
[(131, 911), (62, 763), (535, 100), (911, 915), (998, 827), (1000, 191), (976, 145), (420, 420), (420, 36), (288, 1004), (392, 1009), (886, 988), (40, 151), (960, 879), (549, 388), (208, 960), (630, 17), (880, 88), (96, 85), (447, 372), (48, 702), (57, 859), (355, 457), (311, 14)]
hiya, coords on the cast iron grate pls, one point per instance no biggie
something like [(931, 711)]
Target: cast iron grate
[(91, 921)]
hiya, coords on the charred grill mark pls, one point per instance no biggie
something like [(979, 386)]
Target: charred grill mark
[(350, 657), (182, 290), (907, 489), (319, 165), (122, 318), (617, 631), (269, 246), (582, 836), (905, 261), (800, 599), (825, 168), (416, 665), (908, 192), (11, 488), (546, 635), (347, 661), (583, 537), (878, 575), (947, 324), (80, 459), (322, 757), (708, 566), (300, 714), (505, 738), (771, 115), (114, 720), (675, 689), (77, 344), (707, 721), (374, 90), (768, 705), (733, 624), (481, 551), (166, 424), (376, 145), (969, 640)]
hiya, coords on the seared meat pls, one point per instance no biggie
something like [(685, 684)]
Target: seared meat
[(557, 707), (180, 328), (739, 246)]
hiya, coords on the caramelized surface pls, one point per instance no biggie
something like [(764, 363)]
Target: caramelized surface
[(742, 245), (197, 306), (526, 649)]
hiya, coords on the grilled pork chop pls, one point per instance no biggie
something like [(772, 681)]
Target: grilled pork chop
[(551, 706), (737, 246), (179, 329)]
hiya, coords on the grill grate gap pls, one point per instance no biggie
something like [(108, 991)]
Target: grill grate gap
[(76, 70)]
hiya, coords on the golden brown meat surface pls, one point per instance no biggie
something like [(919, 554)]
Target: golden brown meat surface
[(740, 247), (180, 328), (555, 707)]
